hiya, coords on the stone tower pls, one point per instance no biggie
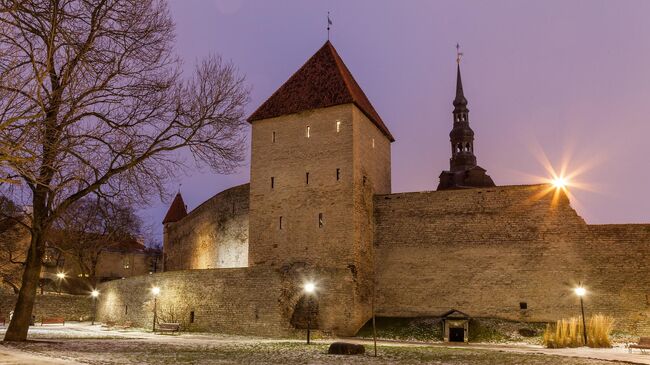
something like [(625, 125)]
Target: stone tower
[(319, 153), (177, 211), (463, 170)]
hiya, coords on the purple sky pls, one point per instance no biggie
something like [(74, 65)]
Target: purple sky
[(570, 78)]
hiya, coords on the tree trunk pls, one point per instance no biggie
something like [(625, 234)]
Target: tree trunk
[(19, 324)]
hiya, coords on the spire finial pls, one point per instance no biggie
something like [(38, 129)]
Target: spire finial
[(459, 54), (329, 22), (179, 188)]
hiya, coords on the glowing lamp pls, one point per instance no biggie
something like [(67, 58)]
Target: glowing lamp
[(580, 291), (155, 290), (310, 288), (94, 293), (559, 182), (60, 275)]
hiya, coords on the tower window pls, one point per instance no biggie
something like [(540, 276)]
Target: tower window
[(338, 126), (273, 137), (126, 263), (272, 182), (320, 220), (308, 132), (280, 222), (373, 143), (307, 178), (523, 305), (338, 174), (364, 180), (192, 317)]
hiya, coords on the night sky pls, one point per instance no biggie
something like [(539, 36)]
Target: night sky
[(566, 79)]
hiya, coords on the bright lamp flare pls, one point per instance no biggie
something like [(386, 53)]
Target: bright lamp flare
[(560, 182), (580, 291), (155, 290), (60, 275), (310, 288), (94, 293)]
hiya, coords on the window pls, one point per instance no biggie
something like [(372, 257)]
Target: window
[(364, 180), (233, 207), (523, 305), (126, 309), (373, 143), (272, 182), (338, 174), (273, 137), (320, 220), (126, 263), (338, 126), (280, 222), (308, 131), (307, 178), (192, 317)]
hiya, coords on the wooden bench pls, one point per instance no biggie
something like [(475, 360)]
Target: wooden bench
[(643, 344), (126, 325), (169, 327), (53, 320), (108, 324)]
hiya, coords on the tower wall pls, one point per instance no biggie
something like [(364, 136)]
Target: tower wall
[(336, 255)]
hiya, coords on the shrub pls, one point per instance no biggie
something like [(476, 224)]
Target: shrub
[(570, 332)]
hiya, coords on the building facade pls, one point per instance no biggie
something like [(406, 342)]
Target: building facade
[(319, 208)]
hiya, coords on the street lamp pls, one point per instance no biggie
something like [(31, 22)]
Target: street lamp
[(60, 276), (94, 294), (580, 292), (155, 291), (309, 289)]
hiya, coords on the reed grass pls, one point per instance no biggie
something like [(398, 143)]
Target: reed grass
[(570, 332)]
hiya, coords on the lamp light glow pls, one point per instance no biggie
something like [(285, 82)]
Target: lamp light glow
[(155, 290), (560, 182), (310, 287), (60, 275), (580, 291), (94, 293)]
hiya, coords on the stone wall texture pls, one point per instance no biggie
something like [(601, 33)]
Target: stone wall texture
[(485, 251), (70, 307), (213, 235)]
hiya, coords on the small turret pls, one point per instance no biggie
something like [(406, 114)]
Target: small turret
[(177, 210)]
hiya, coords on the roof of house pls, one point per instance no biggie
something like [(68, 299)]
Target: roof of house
[(322, 81), (177, 210)]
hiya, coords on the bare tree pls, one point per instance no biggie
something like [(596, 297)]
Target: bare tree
[(99, 107), (14, 238), (90, 227)]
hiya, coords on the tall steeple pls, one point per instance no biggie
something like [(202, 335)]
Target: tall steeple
[(463, 170)]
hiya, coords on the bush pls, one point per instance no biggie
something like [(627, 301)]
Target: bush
[(570, 332)]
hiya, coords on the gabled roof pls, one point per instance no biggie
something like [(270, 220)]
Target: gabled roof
[(177, 210), (322, 81)]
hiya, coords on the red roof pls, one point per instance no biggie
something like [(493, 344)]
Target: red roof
[(322, 81), (177, 210)]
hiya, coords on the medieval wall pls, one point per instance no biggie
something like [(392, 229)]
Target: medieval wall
[(486, 251), (235, 300), (70, 307), (213, 235)]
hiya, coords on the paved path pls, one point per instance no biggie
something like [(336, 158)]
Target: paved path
[(10, 356)]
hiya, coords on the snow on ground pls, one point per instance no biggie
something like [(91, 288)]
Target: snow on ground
[(83, 343)]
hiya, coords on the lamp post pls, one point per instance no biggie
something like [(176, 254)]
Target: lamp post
[(580, 292), (309, 289), (94, 294), (60, 276), (155, 291)]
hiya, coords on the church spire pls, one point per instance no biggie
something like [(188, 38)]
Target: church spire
[(463, 170)]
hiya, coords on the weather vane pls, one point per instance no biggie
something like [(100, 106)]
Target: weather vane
[(459, 54), (329, 23)]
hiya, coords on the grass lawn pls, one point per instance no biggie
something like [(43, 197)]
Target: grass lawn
[(129, 351)]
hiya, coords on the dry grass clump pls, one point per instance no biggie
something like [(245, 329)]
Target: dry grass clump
[(570, 332)]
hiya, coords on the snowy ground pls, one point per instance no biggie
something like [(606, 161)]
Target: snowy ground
[(81, 343)]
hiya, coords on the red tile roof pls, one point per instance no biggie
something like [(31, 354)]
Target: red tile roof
[(177, 210), (322, 81)]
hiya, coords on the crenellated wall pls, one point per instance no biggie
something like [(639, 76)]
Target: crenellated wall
[(485, 251), (213, 235)]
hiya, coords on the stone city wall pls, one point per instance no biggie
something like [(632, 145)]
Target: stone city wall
[(236, 300), (70, 307), (490, 252), (213, 235)]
